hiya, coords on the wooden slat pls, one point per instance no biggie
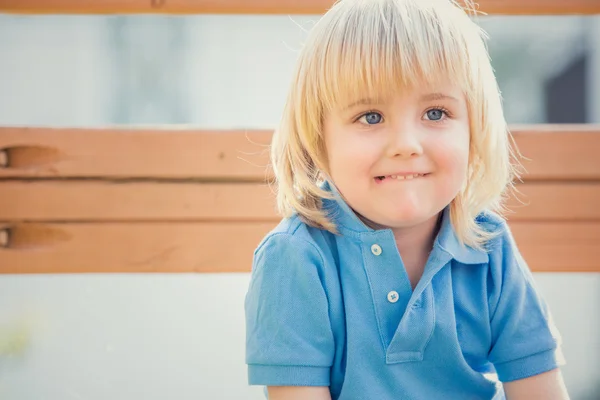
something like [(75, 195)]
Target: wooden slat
[(557, 152), (148, 201), (130, 248), (222, 247), (559, 247), (126, 153), (267, 6), (89, 201), (540, 201)]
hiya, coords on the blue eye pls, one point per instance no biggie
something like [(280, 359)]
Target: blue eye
[(435, 114), (371, 118)]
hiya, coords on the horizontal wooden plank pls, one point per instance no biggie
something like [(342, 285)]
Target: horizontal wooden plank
[(96, 200), (228, 247), (556, 152), (559, 247), (540, 201), (266, 6), (149, 201), (559, 151), (129, 153), (131, 248)]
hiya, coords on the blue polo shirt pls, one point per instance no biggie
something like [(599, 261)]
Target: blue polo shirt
[(339, 311)]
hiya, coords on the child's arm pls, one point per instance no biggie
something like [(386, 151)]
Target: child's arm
[(547, 386), (289, 336), (526, 346), (299, 393)]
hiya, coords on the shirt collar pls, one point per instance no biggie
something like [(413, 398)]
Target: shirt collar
[(339, 210), (448, 242), (349, 223)]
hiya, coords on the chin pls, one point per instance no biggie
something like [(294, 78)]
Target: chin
[(409, 212)]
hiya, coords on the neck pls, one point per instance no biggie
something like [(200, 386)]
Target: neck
[(417, 240), (415, 244)]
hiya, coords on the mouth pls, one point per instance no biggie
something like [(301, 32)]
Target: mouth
[(399, 177)]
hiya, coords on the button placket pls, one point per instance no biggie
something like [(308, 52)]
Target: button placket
[(392, 295), (414, 331), (388, 289)]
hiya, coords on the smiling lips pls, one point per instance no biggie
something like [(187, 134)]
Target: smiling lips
[(399, 177)]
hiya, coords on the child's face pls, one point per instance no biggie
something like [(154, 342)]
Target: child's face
[(417, 141)]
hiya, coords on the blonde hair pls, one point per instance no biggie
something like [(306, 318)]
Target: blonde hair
[(372, 48)]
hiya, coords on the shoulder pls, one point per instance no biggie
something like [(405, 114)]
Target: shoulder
[(286, 259), (508, 270), (491, 222), (293, 235), (506, 264), (292, 248), (501, 244)]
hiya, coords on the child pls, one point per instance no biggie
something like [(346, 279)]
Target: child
[(392, 275)]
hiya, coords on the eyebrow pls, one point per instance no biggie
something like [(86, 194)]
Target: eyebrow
[(438, 96), (428, 97), (359, 102)]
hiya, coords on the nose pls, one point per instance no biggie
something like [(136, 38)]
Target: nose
[(404, 143)]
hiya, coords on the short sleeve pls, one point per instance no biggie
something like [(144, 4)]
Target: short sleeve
[(525, 341), (289, 340)]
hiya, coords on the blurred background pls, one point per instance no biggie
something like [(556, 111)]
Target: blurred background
[(181, 336)]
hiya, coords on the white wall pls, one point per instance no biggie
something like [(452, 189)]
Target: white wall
[(151, 337), (182, 336), (53, 71)]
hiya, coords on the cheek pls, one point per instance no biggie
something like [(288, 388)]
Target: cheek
[(451, 155), (350, 156)]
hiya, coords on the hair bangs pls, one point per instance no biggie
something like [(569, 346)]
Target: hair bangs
[(374, 49)]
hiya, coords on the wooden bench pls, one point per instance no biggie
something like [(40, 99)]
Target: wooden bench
[(180, 200)]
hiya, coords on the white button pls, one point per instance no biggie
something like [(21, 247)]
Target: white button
[(393, 296), (376, 249)]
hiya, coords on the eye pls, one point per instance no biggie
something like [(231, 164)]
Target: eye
[(371, 118), (436, 114)]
